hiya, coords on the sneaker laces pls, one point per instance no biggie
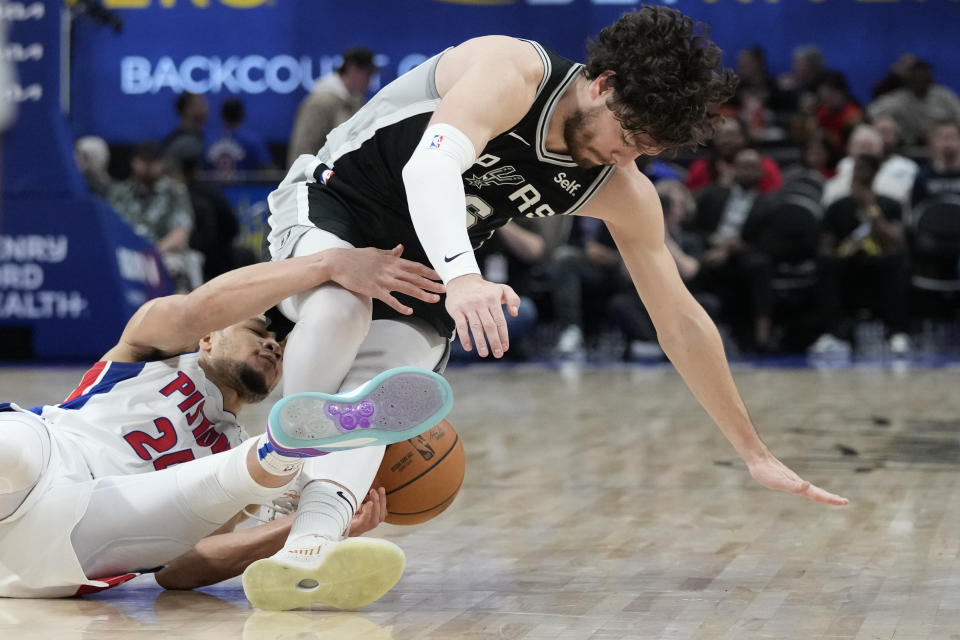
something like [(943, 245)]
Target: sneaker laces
[(281, 506)]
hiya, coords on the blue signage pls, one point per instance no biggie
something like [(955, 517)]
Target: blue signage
[(270, 52)]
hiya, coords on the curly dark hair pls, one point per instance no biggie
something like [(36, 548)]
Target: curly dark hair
[(667, 77)]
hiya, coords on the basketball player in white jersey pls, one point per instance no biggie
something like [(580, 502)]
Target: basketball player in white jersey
[(489, 130), (146, 457)]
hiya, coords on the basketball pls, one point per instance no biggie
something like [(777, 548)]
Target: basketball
[(422, 475)]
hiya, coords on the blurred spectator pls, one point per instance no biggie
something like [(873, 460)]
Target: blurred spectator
[(896, 77), (92, 156), (192, 109), (238, 148), (215, 225), (755, 79), (158, 208), (942, 174), (335, 97), (863, 265), (837, 112), (730, 139), (896, 175), (801, 83), (519, 254), (686, 247), (757, 97), (729, 220), (919, 105), (584, 277), (818, 164)]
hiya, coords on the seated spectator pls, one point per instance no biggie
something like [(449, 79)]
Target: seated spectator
[(863, 263), (918, 106), (215, 225), (93, 156), (837, 111), (520, 254), (818, 164), (238, 149), (584, 276), (192, 110), (730, 139), (729, 220), (686, 247), (757, 99), (755, 80), (896, 77), (800, 84), (896, 175), (942, 174), (158, 208), (334, 98)]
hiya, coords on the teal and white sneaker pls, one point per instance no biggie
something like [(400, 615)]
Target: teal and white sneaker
[(395, 406)]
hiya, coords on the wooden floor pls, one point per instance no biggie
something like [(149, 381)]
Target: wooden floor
[(603, 504)]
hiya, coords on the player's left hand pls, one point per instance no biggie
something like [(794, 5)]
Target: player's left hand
[(773, 474), (370, 514), (475, 306)]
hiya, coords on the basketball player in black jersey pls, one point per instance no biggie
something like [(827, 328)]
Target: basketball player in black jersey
[(492, 129)]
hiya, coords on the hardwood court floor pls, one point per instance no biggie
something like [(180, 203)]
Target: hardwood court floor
[(603, 504)]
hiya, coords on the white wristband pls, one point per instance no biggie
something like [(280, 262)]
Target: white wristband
[(436, 199)]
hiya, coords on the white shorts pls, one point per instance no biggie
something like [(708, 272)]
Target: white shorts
[(36, 556)]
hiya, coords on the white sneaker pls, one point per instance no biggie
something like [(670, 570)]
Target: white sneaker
[(829, 345), (348, 574), (900, 344), (570, 342)]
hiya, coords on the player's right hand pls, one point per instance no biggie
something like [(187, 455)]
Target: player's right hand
[(376, 273), (371, 513), (474, 305)]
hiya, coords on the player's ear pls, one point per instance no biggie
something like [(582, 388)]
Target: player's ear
[(206, 343), (602, 84)]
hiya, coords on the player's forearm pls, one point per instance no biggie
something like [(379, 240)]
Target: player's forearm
[(694, 346), (248, 291), (436, 199), (224, 556)]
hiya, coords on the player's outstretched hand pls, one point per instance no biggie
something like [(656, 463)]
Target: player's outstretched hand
[(377, 273), (371, 513), (474, 305), (773, 474)]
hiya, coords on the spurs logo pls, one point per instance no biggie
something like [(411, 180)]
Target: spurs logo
[(500, 175)]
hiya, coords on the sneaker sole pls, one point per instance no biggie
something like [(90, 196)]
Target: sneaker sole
[(354, 573), (395, 406)]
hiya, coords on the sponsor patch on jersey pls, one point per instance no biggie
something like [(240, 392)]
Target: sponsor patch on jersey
[(435, 143)]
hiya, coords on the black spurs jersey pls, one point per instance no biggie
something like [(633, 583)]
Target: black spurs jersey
[(359, 193)]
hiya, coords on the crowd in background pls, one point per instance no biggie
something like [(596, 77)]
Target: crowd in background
[(809, 214)]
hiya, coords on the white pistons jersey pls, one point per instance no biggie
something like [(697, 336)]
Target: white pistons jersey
[(126, 418)]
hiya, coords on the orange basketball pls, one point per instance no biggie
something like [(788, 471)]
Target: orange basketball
[(422, 475)]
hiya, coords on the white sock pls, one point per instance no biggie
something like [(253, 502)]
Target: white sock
[(274, 461), (324, 514)]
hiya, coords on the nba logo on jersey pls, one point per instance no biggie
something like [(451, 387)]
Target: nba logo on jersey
[(435, 143), (326, 175)]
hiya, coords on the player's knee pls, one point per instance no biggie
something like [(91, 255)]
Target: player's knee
[(334, 307), (24, 450)]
